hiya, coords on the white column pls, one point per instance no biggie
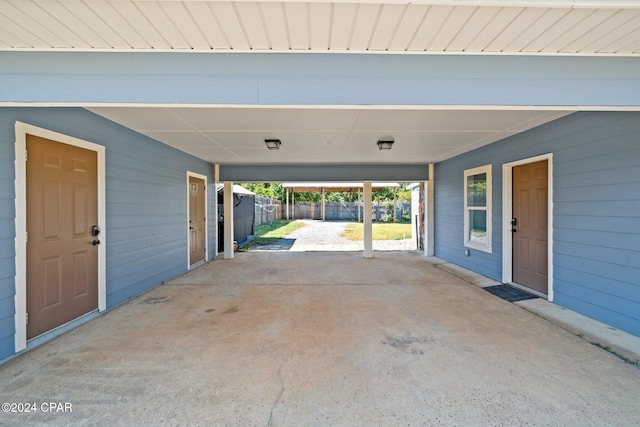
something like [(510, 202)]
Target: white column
[(368, 221), (395, 196), (429, 215), (287, 203), (216, 179), (228, 220), (323, 205), (358, 206)]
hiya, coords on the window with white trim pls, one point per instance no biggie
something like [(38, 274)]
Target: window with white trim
[(477, 208)]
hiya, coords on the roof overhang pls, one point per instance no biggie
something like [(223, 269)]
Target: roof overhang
[(499, 27)]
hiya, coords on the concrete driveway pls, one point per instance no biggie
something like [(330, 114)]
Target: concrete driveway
[(327, 236), (317, 339)]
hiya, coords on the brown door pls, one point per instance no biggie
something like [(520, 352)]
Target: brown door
[(62, 261), (529, 225), (196, 220)]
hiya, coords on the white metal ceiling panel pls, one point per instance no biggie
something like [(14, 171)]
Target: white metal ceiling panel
[(38, 13), (579, 30), (451, 27), (231, 25), (431, 25), (142, 25), (388, 22), (22, 16), (480, 18), (535, 29), (253, 25), (558, 30), (618, 38), (597, 35), (320, 25), (342, 25), (23, 37), (162, 19), (208, 24), (473, 27), (90, 38), (409, 24), (7, 39), (113, 19), (493, 29), (185, 27), (113, 38), (364, 25), (276, 27), (298, 24), (520, 23)]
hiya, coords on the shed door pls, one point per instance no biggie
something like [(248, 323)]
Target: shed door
[(196, 220), (530, 188), (62, 207)]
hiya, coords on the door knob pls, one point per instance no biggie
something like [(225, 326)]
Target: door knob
[(95, 242)]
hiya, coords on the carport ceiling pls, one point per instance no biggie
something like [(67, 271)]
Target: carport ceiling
[(325, 135)]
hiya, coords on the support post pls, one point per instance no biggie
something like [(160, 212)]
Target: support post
[(429, 215), (368, 221), (216, 180), (287, 203), (395, 193), (323, 205), (228, 220)]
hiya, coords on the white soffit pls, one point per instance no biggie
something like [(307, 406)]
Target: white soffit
[(547, 27)]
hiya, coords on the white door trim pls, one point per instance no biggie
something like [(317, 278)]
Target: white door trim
[(507, 214), (206, 225), (22, 129)]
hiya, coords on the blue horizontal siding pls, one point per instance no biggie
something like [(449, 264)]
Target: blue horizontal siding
[(7, 344), (589, 306), (596, 210), (7, 287), (313, 79), (146, 195)]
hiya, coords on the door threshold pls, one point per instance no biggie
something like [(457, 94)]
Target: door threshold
[(59, 330), (196, 265), (527, 289)]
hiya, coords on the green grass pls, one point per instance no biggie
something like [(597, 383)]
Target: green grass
[(381, 231), (278, 229)]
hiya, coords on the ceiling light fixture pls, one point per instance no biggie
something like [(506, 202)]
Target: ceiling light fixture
[(385, 144), (273, 144)]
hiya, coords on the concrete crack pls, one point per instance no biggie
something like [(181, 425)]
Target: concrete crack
[(282, 388)]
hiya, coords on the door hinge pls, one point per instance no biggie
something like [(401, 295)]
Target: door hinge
[(26, 318), (26, 236), (26, 155)]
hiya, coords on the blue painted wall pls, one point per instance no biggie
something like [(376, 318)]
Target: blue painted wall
[(146, 194), (314, 78), (596, 211)]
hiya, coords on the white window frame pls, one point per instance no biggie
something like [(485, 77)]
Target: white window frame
[(486, 169)]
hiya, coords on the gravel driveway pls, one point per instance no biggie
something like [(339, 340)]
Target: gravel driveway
[(326, 236)]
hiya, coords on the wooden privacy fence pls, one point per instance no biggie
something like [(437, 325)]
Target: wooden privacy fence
[(348, 211), (267, 210)]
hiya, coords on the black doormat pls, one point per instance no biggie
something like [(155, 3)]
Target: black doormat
[(509, 293)]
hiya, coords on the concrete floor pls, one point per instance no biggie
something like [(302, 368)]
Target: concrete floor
[(315, 339)]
